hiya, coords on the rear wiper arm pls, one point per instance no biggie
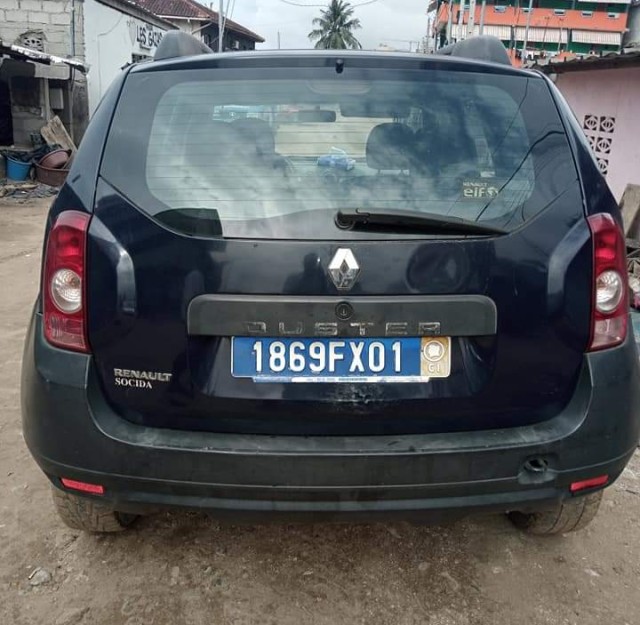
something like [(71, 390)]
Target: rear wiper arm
[(410, 221)]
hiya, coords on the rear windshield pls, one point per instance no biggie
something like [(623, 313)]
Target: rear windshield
[(276, 154)]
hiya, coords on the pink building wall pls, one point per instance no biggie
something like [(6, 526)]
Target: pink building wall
[(607, 105)]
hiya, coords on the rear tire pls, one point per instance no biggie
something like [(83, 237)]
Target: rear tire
[(570, 516), (80, 513)]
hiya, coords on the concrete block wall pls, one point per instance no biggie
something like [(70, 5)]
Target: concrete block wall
[(52, 17), (62, 24)]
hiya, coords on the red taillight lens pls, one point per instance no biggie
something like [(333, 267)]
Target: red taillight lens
[(94, 489), (63, 286), (594, 482), (610, 312)]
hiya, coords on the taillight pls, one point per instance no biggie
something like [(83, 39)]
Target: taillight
[(94, 489), (610, 310), (593, 482), (63, 285)]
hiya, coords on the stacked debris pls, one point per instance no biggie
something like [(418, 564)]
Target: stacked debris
[(29, 156), (633, 267), (24, 191), (48, 161), (20, 164), (630, 206)]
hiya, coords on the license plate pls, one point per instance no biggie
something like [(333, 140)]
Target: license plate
[(415, 359)]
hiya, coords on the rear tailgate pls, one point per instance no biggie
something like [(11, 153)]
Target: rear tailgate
[(193, 244)]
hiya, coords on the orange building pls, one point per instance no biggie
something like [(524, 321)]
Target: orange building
[(551, 28)]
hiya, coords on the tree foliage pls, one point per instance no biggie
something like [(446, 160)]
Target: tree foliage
[(335, 26)]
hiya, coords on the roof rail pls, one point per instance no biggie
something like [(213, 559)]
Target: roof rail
[(176, 43), (480, 48)]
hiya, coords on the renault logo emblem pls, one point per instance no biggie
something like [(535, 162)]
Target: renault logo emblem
[(344, 269)]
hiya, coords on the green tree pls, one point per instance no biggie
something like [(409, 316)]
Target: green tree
[(334, 28)]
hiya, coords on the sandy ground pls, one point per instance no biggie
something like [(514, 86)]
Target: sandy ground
[(183, 568)]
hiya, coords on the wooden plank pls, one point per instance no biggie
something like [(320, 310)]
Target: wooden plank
[(54, 133), (630, 207)]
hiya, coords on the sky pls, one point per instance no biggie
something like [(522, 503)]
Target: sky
[(394, 23)]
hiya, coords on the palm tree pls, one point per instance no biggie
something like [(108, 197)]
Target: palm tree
[(335, 27)]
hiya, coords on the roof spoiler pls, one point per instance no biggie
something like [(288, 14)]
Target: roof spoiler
[(480, 48), (176, 43)]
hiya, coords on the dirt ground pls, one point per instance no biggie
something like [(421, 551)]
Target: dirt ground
[(183, 568)]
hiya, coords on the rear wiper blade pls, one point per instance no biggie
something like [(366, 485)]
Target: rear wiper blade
[(410, 221)]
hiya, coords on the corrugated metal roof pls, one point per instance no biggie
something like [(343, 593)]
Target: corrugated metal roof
[(576, 64), (131, 7), (27, 54), (590, 36), (177, 8), (501, 32), (190, 9), (548, 35)]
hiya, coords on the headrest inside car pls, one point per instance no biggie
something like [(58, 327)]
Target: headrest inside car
[(388, 147), (259, 131)]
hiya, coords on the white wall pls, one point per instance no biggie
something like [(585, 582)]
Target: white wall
[(111, 38), (608, 95), (193, 27)]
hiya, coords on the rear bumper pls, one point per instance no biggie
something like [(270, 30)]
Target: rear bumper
[(73, 433)]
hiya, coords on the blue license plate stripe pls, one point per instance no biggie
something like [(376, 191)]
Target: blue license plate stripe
[(300, 359)]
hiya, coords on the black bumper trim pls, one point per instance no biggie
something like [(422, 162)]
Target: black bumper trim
[(423, 502), (72, 432)]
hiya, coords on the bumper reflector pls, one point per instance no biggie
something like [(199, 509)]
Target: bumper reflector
[(590, 483), (94, 489)]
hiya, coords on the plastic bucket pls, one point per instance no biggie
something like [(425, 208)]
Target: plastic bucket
[(17, 170)]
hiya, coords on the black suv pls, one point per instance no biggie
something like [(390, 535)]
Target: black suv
[(332, 285)]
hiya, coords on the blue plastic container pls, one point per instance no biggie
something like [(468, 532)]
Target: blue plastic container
[(17, 170)]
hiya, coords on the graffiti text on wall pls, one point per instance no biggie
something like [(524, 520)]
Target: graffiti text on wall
[(147, 36)]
